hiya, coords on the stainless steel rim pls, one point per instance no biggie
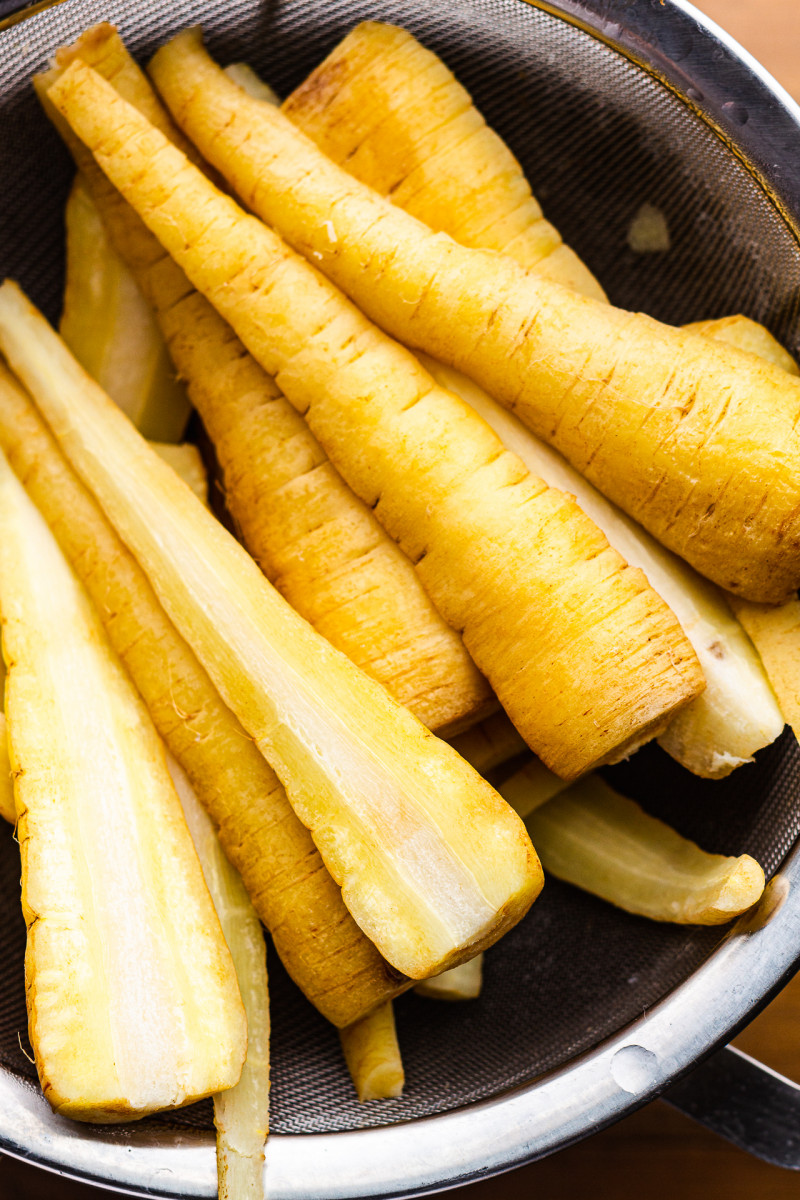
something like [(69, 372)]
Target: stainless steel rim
[(674, 42)]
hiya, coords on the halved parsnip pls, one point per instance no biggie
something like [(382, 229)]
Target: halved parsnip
[(133, 1003), (676, 428), (111, 329), (319, 943), (546, 609), (604, 843), (737, 714), (462, 983), (241, 1114), (373, 1057), (246, 78), (433, 865)]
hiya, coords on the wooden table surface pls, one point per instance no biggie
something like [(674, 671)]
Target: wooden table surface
[(656, 1154)]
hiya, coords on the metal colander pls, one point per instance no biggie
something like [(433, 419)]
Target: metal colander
[(572, 988)]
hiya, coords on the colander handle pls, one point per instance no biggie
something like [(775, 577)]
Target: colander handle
[(745, 1102)]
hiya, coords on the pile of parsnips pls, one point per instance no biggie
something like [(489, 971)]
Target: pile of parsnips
[(407, 517)]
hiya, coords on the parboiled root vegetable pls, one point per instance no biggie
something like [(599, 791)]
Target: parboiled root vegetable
[(186, 461), (490, 743), (697, 441), (604, 843), (546, 608), (433, 865), (241, 1114), (132, 997), (737, 714), (746, 334), (111, 330), (373, 1056), (390, 110), (320, 944), (319, 545), (462, 983), (8, 809)]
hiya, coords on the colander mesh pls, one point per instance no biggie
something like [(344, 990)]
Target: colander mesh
[(598, 138)]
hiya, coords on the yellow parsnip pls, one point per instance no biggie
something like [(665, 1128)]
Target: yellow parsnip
[(390, 110), (373, 1056), (133, 1004), (320, 944), (7, 808), (694, 439), (433, 865), (546, 608), (746, 334), (111, 329), (606, 844), (316, 542)]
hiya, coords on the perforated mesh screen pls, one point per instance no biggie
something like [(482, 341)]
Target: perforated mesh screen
[(597, 138)]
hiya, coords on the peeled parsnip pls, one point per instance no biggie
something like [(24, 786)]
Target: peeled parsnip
[(433, 865), (8, 809), (489, 743), (186, 461), (133, 1004), (245, 77), (373, 1056), (315, 541), (546, 609), (775, 632), (319, 943), (737, 714), (462, 983), (746, 334), (111, 329), (241, 1114), (390, 110), (530, 787), (697, 441), (602, 842)]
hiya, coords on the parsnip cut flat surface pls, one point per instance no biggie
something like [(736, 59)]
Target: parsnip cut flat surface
[(546, 609), (321, 946), (132, 997), (432, 863)]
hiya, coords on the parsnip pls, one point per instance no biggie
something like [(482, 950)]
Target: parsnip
[(490, 743), (320, 944), (132, 997), (373, 1056), (462, 983), (530, 787), (316, 542), (187, 461), (8, 809), (546, 609), (433, 865), (737, 714), (241, 1114), (775, 632), (245, 77), (111, 329), (694, 439), (604, 843), (746, 334), (392, 111)]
